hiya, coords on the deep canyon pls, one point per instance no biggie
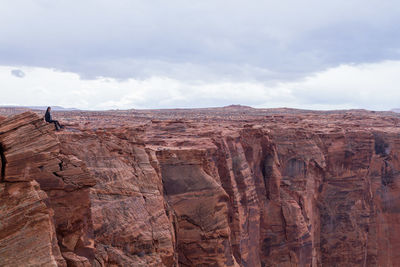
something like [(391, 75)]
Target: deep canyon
[(231, 186)]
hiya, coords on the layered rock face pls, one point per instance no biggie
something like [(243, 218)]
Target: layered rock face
[(107, 210), (245, 190), (128, 211), (27, 228), (31, 156)]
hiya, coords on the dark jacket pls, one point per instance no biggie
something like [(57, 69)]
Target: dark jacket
[(47, 116)]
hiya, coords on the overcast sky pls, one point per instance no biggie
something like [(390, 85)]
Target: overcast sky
[(98, 54)]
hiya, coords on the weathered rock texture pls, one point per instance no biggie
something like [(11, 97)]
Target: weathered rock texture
[(27, 232), (31, 152), (27, 236), (229, 187), (128, 211)]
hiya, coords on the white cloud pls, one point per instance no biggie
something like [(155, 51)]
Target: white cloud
[(372, 86)]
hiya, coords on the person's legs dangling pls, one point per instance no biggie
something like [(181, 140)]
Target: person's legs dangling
[(56, 124)]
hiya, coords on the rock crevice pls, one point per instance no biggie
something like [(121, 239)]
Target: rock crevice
[(3, 162)]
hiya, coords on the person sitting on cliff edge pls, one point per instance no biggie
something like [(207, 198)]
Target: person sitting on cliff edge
[(47, 118)]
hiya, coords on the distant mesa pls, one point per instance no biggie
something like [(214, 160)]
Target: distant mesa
[(397, 110), (237, 106)]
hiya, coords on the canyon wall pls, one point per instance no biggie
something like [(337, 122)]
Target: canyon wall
[(287, 190)]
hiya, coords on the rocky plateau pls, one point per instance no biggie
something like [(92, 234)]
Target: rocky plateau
[(232, 186)]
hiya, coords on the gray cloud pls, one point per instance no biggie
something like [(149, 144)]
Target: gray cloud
[(210, 40), (18, 73)]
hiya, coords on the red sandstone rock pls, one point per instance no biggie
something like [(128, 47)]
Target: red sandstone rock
[(200, 205), (74, 260), (130, 224), (31, 152), (217, 187), (27, 234)]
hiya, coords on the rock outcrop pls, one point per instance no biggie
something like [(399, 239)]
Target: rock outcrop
[(241, 190), (27, 232), (30, 154)]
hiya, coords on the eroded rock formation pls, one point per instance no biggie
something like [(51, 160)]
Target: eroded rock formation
[(243, 190)]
